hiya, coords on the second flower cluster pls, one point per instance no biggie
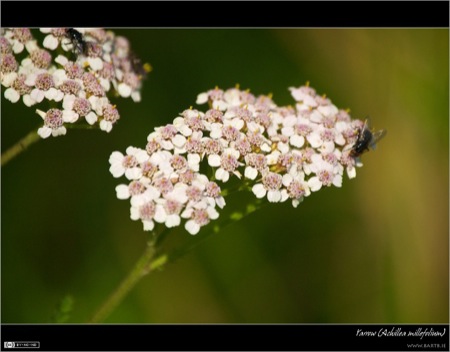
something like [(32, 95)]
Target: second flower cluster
[(282, 153)]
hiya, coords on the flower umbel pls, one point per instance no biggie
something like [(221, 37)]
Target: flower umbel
[(75, 69), (279, 153)]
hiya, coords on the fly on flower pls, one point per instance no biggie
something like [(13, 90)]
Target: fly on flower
[(138, 67), (366, 139), (80, 46)]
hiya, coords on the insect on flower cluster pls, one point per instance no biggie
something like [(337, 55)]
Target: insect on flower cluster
[(74, 69), (280, 153)]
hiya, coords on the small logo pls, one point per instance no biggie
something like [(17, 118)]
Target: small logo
[(21, 344)]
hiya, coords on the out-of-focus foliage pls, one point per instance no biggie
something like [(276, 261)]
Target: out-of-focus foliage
[(374, 251)]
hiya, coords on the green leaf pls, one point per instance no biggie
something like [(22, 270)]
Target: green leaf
[(63, 310), (236, 216)]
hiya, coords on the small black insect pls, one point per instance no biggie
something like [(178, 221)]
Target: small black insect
[(138, 67), (80, 46), (366, 139)]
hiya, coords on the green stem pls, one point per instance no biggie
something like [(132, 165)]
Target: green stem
[(138, 272), (31, 138), (179, 252), (19, 147), (147, 263)]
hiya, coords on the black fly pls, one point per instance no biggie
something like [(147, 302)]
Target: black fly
[(80, 46), (366, 139), (138, 67)]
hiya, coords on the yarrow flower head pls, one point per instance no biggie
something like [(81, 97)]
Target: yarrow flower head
[(278, 153), (76, 69)]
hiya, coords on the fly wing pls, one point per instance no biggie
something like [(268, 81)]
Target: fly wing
[(376, 136)]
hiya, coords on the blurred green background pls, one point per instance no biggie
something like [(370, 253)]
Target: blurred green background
[(374, 251)]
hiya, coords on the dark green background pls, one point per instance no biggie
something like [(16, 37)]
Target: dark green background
[(374, 251)]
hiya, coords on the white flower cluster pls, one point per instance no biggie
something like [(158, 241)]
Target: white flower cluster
[(281, 153), (75, 69)]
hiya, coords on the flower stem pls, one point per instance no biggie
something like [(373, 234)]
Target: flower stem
[(141, 269), (148, 263), (19, 147)]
